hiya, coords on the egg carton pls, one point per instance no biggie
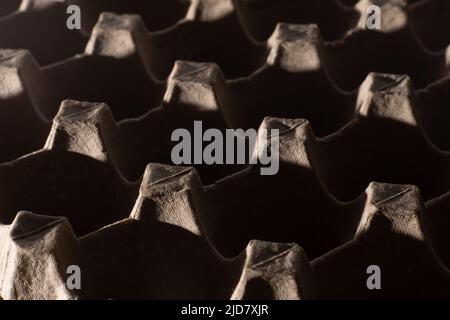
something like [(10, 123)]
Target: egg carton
[(206, 28), (294, 206), (87, 178), (218, 104), (128, 87), (165, 248)]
